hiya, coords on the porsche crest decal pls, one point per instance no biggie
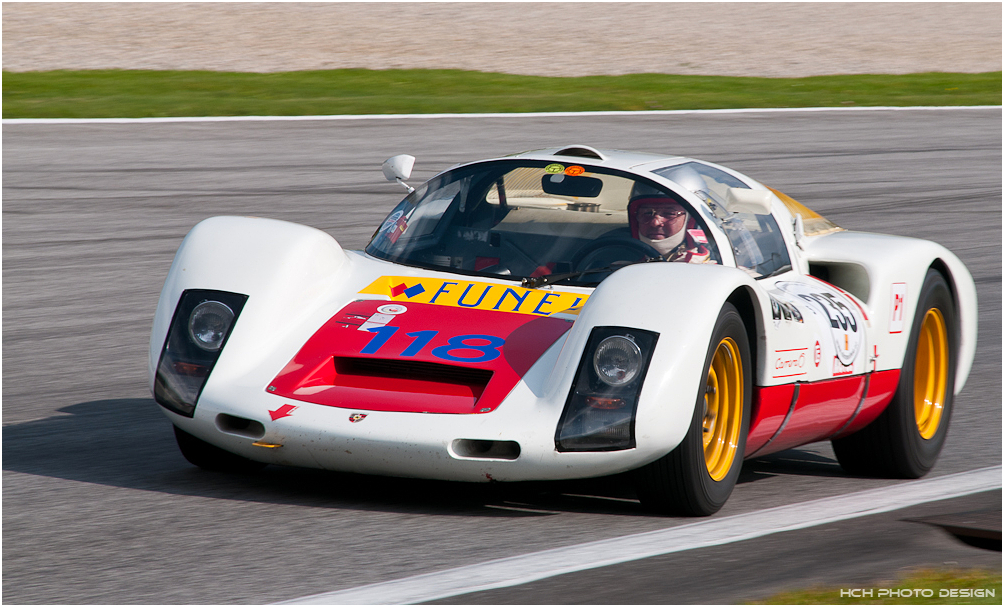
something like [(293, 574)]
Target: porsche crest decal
[(476, 295), (357, 417)]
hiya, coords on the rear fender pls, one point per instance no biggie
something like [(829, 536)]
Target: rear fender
[(284, 268), (680, 302), (889, 263)]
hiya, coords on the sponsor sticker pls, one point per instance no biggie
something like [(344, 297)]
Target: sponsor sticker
[(390, 223), (399, 228), (784, 310), (554, 169), (698, 236), (790, 363), (833, 312), (840, 368), (575, 170), (377, 320), (898, 303), (817, 353), (475, 295)]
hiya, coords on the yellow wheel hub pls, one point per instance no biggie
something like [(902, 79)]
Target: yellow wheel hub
[(930, 373), (723, 409)]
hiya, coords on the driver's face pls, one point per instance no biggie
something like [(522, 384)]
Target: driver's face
[(661, 220)]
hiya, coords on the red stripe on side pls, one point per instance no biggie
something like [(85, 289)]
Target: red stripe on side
[(770, 405), (880, 392), (822, 408)]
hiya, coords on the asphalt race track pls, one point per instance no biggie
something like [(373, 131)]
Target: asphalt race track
[(100, 507)]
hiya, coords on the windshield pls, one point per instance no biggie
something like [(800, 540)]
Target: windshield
[(522, 218)]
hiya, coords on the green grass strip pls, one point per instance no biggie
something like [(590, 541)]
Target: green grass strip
[(141, 93), (946, 587)]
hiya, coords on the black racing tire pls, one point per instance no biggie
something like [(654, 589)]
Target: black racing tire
[(210, 457), (894, 445), (681, 482)]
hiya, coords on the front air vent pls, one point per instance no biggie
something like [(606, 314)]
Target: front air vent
[(486, 449), (581, 151), (241, 426), (408, 369)]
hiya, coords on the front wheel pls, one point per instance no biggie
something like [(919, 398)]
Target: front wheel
[(697, 477), (211, 457), (906, 439)]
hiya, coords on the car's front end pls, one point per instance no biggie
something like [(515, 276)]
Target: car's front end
[(498, 326)]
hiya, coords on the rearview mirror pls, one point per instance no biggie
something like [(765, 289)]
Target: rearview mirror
[(742, 200), (398, 168), (566, 185)]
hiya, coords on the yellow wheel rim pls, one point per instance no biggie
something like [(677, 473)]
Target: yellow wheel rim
[(930, 373), (723, 409)]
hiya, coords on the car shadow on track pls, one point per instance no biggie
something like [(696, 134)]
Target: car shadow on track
[(128, 443)]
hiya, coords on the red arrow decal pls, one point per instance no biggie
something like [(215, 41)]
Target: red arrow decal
[(283, 411)]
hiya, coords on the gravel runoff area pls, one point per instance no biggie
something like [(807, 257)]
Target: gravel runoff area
[(546, 39)]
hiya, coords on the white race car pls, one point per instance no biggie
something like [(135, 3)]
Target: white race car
[(564, 313)]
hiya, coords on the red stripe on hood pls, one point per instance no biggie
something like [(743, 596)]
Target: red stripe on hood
[(428, 358)]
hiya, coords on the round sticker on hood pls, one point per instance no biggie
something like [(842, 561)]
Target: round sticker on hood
[(392, 309)]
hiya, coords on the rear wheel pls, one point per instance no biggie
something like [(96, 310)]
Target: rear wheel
[(211, 457), (906, 439), (697, 477)]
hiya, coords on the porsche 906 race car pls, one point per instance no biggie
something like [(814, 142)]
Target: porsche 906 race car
[(564, 313)]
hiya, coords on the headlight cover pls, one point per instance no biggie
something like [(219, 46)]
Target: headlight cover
[(202, 322), (617, 361), (209, 324), (600, 410)]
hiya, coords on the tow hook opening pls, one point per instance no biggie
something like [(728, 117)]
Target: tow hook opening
[(231, 424), (486, 449)]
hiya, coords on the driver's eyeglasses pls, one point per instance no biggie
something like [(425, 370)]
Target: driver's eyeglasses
[(650, 214)]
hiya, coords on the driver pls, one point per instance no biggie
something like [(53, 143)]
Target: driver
[(663, 224)]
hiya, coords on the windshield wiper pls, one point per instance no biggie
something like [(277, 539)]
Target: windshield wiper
[(532, 282)]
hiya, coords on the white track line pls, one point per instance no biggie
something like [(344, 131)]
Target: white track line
[(714, 532), (15, 121)]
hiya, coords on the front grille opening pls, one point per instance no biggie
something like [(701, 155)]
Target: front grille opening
[(410, 376), (486, 449), (241, 426)]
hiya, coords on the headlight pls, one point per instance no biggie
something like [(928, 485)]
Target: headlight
[(209, 324), (200, 327), (617, 361), (600, 410)]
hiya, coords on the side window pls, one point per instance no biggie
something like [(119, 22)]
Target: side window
[(756, 239), (757, 243)]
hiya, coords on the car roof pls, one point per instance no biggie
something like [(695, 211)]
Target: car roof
[(618, 159)]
